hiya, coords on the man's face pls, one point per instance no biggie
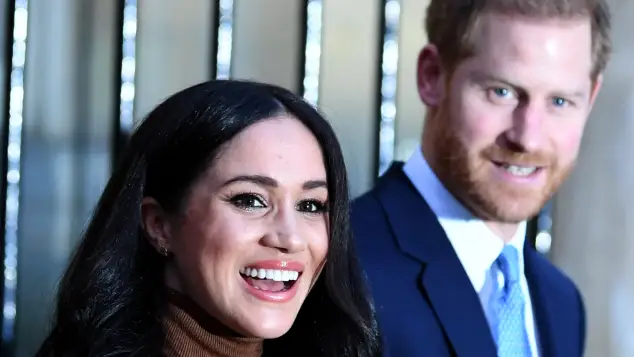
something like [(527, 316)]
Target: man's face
[(507, 123)]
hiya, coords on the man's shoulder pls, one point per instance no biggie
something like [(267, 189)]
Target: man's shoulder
[(369, 201), (371, 225), (366, 215), (555, 275), (364, 203), (566, 308), (559, 286)]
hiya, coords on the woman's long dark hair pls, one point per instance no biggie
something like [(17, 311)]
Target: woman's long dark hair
[(112, 296)]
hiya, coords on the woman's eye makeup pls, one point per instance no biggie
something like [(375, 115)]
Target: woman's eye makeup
[(312, 206), (253, 201), (248, 201)]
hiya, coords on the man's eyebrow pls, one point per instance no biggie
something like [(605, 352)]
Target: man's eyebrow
[(489, 77)]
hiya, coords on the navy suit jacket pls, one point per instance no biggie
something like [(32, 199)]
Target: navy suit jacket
[(427, 306)]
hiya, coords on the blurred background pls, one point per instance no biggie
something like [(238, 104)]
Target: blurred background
[(77, 74)]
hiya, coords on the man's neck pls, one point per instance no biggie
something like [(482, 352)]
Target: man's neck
[(506, 231)]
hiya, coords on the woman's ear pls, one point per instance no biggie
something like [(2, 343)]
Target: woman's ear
[(155, 223)]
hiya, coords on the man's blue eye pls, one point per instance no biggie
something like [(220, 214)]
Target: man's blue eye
[(501, 92), (559, 102)]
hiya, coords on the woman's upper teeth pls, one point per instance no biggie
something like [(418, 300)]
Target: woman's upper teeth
[(271, 274)]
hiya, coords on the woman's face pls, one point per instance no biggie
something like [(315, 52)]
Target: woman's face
[(254, 232)]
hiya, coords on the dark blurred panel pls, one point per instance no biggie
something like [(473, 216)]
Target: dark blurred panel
[(123, 75), (6, 26), (67, 133)]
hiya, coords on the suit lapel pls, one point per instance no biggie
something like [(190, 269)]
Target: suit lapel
[(551, 330), (443, 281)]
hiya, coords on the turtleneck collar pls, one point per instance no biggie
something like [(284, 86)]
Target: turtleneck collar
[(191, 331)]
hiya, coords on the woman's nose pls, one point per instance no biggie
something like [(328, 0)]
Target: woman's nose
[(285, 232)]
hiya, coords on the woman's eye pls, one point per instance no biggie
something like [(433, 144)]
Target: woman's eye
[(248, 201), (311, 206)]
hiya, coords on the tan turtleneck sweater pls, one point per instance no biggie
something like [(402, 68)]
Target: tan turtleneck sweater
[(191, 332)]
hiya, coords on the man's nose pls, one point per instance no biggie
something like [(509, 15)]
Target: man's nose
[(526, 133)]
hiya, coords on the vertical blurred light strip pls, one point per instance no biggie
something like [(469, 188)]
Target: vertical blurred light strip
[(14, 146), (128, 68), (225, 39), (312, 51), (543, 238), (389, 68)]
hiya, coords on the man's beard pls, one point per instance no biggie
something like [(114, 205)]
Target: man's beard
[(468, 175)]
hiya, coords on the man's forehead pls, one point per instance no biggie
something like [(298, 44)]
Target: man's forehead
[(496, 27), (527, 44)]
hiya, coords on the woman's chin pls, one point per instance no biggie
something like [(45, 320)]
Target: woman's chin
[(266, 319), (269, 327)]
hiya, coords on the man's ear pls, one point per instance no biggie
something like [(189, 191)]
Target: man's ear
[(155, 223), (430, 77), (596, 88)]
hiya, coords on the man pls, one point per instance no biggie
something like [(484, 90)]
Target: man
[(508, 86)]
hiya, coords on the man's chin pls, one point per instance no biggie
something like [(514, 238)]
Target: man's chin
[(513, 211), (503, 208)]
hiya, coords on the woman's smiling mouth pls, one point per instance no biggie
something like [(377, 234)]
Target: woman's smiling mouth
[(272, 280)]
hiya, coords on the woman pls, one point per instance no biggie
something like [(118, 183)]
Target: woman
[(223, 232)]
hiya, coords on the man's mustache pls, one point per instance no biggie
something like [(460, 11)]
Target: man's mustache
[(499, 154)]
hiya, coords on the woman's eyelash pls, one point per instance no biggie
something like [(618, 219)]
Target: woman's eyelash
[(253, 201), (312, 206), (248, 201)]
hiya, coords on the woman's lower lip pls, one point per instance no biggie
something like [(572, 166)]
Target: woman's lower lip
[(272, 296)]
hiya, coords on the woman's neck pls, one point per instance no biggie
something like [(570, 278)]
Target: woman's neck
[(190, 331)]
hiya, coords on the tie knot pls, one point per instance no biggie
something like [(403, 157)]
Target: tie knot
[(508, 262)]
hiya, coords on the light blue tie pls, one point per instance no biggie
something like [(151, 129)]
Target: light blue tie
[(508, 305)]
